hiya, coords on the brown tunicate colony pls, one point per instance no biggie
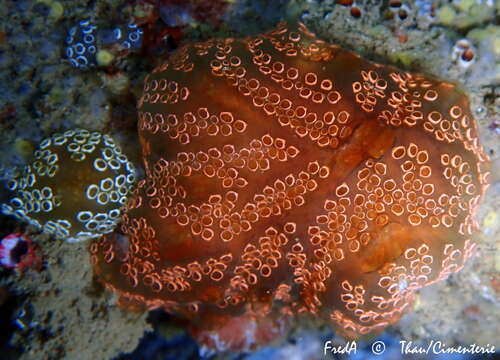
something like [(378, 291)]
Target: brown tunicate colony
[(288, 176), (75, 186)]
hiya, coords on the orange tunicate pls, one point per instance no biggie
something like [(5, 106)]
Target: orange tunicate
[(287, 176)]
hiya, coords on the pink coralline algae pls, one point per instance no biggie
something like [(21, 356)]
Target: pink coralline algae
[(17, 251)]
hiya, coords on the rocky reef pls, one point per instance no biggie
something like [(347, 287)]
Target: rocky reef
[(53, 305)]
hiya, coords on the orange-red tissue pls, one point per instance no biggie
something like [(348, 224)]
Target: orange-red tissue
[(285, 176)]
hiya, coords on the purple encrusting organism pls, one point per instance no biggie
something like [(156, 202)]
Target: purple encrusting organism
[(17, 252)]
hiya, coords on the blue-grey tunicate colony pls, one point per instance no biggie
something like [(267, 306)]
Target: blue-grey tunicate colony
[(81, 50), (85, 40)]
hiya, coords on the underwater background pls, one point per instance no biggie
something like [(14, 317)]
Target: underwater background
[(53, 307)]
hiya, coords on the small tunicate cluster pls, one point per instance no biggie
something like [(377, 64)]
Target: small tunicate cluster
[(463, 53), (398, 9), (355, 11), (128, 37), (81, 45), (85, 41), (75, 186)]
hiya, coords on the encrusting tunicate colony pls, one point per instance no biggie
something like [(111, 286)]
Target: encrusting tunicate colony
[(284, 176), (75, 186), (81, 50), (85, 40)]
